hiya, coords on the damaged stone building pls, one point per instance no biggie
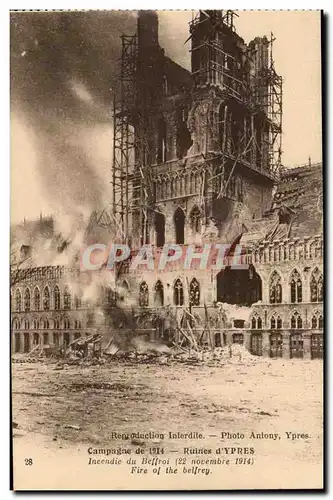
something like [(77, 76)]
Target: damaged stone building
[(196, 159)]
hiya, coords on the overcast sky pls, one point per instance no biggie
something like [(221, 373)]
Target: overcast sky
[(63, 69)]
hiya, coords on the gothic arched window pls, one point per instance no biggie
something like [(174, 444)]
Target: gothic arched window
[(317, 321), (36, 299), (160, 229), (179, 221), (295, 287), (16, 324), (27, 299), (67, 298), (143, 294), (296, 320), (195, 220), (46, 299), (194, 292), (178, 293), (275, 289), (316, 286), (56, 297), (18, 300), (159, 293), (256, 322), (276, 322)]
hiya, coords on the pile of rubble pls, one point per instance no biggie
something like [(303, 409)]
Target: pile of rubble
[(147, 353), (191, 343), (218, 355)]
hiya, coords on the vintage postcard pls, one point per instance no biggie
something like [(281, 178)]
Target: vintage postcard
[(166, 250)]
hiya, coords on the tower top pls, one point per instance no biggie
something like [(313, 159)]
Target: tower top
[(147, 29)]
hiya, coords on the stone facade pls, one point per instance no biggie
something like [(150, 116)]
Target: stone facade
[(205, 171)]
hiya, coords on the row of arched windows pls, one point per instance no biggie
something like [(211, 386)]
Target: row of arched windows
[(38, 303), (296, 287), (178, 293), (296, 321), (179, 218), (45, 324)]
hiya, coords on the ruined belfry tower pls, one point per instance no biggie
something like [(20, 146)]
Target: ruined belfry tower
[(196, 160), (196, 154)]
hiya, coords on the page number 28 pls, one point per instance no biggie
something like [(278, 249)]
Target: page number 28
[(28, 461)]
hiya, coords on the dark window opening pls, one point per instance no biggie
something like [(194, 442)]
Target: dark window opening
[(284, 216), (36, 299), (256, 344), (194, 293), (195, 218), (25, 251), (238, 338), (178, 293), (27, 300), (18, 301), (179, 220), (320, 322), (239, 286), (46, 299), (184, 141), (26, 342), (218, 342), (239, 323), (316, 286), (296, 321), (275, 344), (314, 322), (143, 295), (56, 295), (67, 298), (275, 289), (160, 229), (296, 346), (295, 288), (17, 342), (159, 294), (317, 346)]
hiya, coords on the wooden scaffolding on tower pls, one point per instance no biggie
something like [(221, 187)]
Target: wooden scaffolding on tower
[(220, 64)]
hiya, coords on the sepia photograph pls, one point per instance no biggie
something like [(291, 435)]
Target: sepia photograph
[(166, 250)]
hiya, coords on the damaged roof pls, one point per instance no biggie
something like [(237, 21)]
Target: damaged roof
[(297, 207)]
